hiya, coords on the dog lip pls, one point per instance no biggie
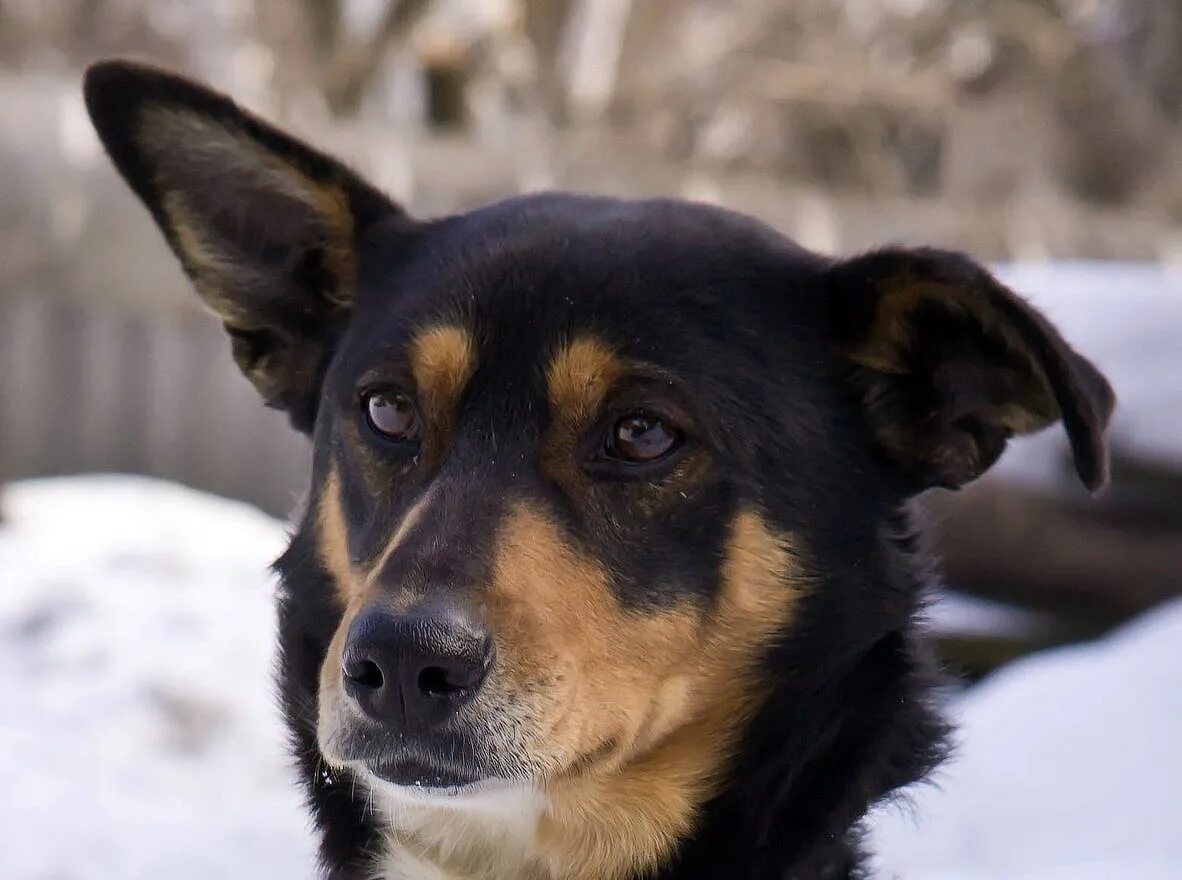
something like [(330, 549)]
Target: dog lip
[(401, 760), (413, 773)]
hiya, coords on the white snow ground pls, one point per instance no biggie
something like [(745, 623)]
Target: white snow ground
[(138, 738), (1069, 766), (138, 734)]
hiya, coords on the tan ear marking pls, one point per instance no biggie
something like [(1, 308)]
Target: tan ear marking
[(883, 345), (190, 151)]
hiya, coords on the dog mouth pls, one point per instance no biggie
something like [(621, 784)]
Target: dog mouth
[(447, 763), (412, 773)]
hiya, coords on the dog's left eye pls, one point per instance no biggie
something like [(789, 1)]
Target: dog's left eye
[(391, 414), (640, 438)]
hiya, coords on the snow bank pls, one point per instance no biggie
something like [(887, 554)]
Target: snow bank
[(1127, 318), (1069, 766), (138, 738)]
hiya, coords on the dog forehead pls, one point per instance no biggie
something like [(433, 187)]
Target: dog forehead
[(562, 254), (531, 273)]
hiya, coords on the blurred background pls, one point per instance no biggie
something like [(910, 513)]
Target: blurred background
[(1044, 136)]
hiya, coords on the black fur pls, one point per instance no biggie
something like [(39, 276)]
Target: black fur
[(755, 335)]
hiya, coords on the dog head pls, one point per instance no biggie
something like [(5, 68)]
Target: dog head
[(580, 463)]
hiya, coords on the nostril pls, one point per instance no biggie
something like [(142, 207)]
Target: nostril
[(435, 681), (364, 673)]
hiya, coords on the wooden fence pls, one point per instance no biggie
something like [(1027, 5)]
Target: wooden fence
[(89, 387)]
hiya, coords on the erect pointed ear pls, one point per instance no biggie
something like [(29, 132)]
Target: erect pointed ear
[(267, 228), (949, 364)]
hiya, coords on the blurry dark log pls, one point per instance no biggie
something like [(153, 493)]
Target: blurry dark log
[(447, 84), (971, 657), (1146, 494), (1091, 563)]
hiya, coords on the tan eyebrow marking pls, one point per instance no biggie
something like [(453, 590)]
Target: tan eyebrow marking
[(442, 360), (579, 377)]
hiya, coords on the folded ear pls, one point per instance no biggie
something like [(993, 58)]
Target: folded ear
[(949, 364), (266, 227)]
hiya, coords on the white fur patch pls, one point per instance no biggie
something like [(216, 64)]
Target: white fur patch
[(485, 833)]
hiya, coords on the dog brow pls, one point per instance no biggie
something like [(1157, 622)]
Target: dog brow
[(442, 359), (579, 377)]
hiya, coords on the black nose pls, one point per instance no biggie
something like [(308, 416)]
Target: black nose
[(414, 670)]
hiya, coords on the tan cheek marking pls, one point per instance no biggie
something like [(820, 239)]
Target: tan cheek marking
[(565, 637), (409, 521), (333, 540), (609, 825), (332, 545), (329, 711), (355, 588)]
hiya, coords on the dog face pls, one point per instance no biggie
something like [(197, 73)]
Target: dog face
[(580, 464), (545, 463)]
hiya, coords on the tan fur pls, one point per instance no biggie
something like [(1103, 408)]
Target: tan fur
[(355, 587), (369, 584), (669, 690), (332, 539), (579, 377), (443, 359), (667, 693)]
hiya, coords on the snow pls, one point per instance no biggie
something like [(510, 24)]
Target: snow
[(957, 614), (1127, 318), (140, 738), (1068, 766)]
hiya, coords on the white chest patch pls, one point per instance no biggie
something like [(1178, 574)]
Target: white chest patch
[(441, 835)]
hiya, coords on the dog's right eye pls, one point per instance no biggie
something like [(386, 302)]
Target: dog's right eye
[(640, 439), (391, 414)]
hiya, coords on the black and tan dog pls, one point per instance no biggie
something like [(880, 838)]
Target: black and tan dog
[(606, 570)]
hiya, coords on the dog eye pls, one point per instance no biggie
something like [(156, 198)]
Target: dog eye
[(640, 438), (391, 414)]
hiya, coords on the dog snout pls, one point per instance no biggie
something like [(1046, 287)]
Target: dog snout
[(414, 670)]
